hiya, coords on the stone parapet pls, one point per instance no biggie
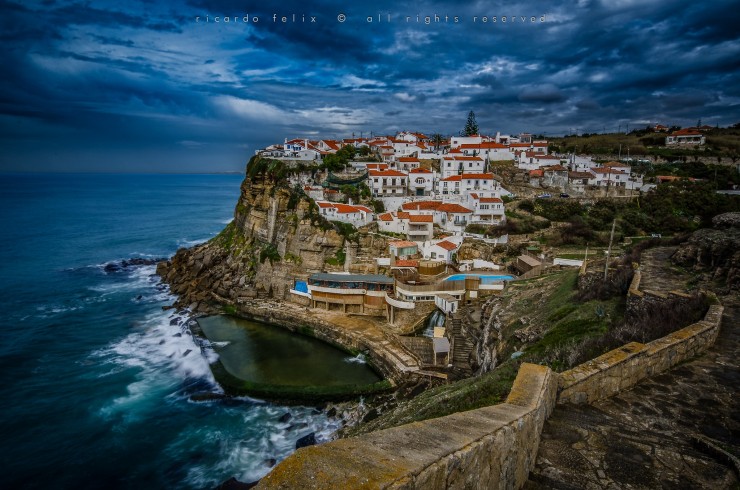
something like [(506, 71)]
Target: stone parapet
[(624, 367), (492, 447)]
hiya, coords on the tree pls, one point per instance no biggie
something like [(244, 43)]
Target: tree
[(471, 127), (437, 140)]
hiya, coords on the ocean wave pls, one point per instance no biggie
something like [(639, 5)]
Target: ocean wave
[(227, 221), (249, 455), (165, 355), (183, 242)]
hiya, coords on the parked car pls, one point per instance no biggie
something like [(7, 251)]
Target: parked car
[(563, 194), (543, 196)]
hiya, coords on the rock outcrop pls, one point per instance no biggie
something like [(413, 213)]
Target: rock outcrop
[(715, 251), (276, 236)]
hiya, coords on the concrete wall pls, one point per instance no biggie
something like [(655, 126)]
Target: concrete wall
[(624, 367), (492, 447)]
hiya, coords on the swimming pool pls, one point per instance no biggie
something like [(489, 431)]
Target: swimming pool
[(301, 286), (484, 278)]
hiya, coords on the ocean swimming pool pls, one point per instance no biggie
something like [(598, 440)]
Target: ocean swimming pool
[(484, 278)]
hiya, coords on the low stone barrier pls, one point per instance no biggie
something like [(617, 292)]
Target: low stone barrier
[(492, 447), (624, 367)]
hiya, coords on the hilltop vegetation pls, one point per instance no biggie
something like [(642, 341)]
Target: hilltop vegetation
[(721, 142)]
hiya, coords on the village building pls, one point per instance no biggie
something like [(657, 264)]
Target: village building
[(346, 213), (529, 160), (453, 217), (388, 182), (403, 249), (685, 137), (488, 210), (443, 250), (354, 293), (407, 163), (421, 182)]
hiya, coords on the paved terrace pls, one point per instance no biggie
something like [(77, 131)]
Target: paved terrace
[(646, 437)]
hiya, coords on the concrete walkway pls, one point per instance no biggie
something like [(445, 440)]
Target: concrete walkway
[(658, 274), (642, 438)]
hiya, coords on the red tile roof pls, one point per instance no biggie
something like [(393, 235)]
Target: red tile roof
[(476, 176), (402, 243), (406, 263), (325, 205), (536, 172), (452, 178), (419, 171), (490, 199), (453, 208), (386, 217), (421, 218), (387, 173), (409, 159), (555, 168), (403, 215), (421, 205), (449, 246)]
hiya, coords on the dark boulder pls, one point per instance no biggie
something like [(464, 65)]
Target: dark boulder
[(306, 441)]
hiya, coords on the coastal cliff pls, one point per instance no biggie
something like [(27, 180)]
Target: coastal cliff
[(270, 241), (277, 235)]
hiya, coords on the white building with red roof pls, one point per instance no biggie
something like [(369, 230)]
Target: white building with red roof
[(685, 137), (453, 217), (488, 210), (457, 163), (407, 163), (421, 182), (346, 213), (388, 182), (540, 147), (488, 150), (529, 160), (443, 250)]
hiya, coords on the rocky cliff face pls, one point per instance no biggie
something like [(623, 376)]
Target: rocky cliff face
[(276, 236), (715, 250)]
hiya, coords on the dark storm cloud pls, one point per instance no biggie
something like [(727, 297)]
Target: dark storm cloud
[(147, 82)]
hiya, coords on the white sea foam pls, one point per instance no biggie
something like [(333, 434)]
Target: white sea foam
[(358, 359), (165, 356), (183, 242), (227, 221)]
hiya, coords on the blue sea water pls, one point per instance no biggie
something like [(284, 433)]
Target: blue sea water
[(484, 278), (95, 376)]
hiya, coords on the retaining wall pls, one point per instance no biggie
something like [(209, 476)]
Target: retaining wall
[(624, 367), (492, 447)]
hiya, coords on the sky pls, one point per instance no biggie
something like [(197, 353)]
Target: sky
[(158, 86)]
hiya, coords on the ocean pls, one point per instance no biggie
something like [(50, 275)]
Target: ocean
[(96, 376)]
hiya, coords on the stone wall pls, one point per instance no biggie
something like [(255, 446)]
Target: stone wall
[(640, 302), (492, 447), (624, 367)]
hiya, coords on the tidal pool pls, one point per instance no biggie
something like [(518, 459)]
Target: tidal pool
[(272, 355)]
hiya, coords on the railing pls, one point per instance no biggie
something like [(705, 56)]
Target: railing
[(396, 303)]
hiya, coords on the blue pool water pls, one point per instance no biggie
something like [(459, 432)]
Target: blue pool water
[(301, 286), (484, 278)]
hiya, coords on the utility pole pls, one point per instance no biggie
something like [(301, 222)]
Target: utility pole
[(609, 250)]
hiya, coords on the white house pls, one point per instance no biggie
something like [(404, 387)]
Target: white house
[(489, 210), (488, 150), (388, 182), (540, 147), (453, 217), (421, 182), (478, 182), (442, 250), (403, 148), (407, 163), (530, 160), (457, 141), (449, 185), (346, 213), (685, 137), (417, 228)]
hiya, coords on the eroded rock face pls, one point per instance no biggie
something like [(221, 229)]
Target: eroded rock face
[(270, 242), (715, 251)]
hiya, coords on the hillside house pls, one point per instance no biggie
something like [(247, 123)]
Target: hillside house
[(488, 210), (388, 182), (421, 182), (529, 160), (453, 217), (685, 137), (443, 250)]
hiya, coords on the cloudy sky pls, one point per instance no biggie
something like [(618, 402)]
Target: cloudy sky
[(149, 85)]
